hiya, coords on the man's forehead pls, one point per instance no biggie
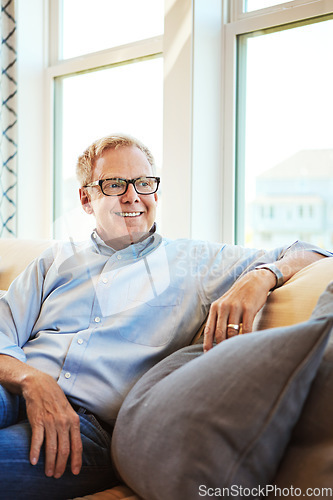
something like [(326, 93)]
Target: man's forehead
[(124, 161)]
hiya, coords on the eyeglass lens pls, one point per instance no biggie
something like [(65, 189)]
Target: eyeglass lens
[(144, 185)]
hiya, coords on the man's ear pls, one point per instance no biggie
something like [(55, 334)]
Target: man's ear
[(85, 201)]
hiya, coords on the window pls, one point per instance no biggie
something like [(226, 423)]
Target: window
[(88, 27), (284, 132), (108, 82), (92, 105)]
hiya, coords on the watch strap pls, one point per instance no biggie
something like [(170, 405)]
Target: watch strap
[(276, 271)]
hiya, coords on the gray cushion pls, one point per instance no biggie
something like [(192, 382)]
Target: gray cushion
[(219, 419), (324, 306), (308, 462)]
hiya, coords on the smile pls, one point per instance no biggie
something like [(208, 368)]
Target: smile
[(128, 214)]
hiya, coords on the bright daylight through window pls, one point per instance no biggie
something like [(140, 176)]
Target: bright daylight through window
[(285, 139), (91, 26), (124, 97), (251, 5)]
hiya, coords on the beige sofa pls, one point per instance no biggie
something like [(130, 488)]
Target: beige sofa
[(290, 304)]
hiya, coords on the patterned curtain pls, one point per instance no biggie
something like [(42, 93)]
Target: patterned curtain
[(8, 120)]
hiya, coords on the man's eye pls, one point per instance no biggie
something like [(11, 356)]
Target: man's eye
[(112, 185), (145, 183)]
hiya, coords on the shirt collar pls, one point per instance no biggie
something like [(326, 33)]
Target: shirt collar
[(136, 250)]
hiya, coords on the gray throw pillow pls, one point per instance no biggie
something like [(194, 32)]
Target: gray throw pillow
[(196, 423)]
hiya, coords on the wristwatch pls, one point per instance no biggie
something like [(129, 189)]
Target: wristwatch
[(278, 275)]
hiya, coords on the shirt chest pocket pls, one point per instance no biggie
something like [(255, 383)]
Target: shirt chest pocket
[(152, 322)]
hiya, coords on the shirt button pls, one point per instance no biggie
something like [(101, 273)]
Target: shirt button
[(97, 319), (105, 280), (67, 375), (118, 257), (80, 341)]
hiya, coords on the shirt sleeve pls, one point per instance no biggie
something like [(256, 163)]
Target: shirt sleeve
[(20, 307), (225, 266)]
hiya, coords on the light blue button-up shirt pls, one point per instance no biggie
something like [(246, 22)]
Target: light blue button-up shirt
[(96, 319)]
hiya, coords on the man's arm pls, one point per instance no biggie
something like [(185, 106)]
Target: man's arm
[(51, 416), (245, 298)]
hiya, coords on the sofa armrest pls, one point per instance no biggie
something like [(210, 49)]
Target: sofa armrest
[(295, 300)]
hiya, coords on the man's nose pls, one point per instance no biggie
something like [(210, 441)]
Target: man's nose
[(130, 196)]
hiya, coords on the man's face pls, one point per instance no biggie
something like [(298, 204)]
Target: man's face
[(113, 224)]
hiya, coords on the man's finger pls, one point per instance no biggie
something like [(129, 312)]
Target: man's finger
[(209, 331), (248, 319), (76, 447), (36, 443), (63, 451), (69, 442), (51, 450), (233, 328), (233, 323), (220, 329)]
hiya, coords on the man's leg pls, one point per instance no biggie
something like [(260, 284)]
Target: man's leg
[(9, 408), (21, 480)]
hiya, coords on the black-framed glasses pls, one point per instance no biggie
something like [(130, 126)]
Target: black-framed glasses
[(117, 187)]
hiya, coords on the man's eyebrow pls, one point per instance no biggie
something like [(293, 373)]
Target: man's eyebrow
[(125, 178)]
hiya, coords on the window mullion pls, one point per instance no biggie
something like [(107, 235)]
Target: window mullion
[(137, 50)]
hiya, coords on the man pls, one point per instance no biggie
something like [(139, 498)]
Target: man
[(84, 321)]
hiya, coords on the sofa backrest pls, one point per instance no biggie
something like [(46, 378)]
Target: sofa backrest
[(15, 255)]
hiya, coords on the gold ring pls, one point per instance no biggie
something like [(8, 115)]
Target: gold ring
[(234, 327)]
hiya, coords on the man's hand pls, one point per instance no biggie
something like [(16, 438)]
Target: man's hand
[(247, 295), (53, 420), (239, 305)]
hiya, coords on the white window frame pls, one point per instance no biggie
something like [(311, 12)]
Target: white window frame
[(241, 23)]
